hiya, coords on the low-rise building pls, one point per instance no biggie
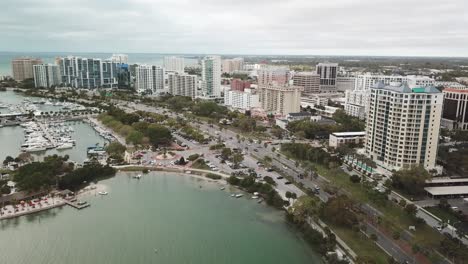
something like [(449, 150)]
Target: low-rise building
[(344, 138)]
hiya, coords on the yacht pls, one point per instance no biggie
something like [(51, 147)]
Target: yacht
[(255, 197), (103, 193), (65, 146), (35, 148), (239, 195)]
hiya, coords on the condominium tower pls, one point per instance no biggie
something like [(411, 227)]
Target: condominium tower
[(211, 76), (46, 75), (174, 64), (23, 68), (182, 84), (280, 99), (403, 125), (149, 78)]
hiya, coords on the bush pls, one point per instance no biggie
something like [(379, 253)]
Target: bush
[(269, 180), (193, 157), (213, 176), (355, 178)]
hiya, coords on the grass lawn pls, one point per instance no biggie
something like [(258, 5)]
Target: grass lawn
[(443, 214), (361, 244)]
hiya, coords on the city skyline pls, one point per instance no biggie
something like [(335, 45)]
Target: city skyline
[(337, 27)]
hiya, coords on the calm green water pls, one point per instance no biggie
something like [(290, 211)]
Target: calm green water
[(170, 213)]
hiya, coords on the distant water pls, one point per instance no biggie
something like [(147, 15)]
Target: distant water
[(162, 212), (49, 57)]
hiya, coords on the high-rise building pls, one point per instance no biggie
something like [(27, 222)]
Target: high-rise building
[(182, 84), (149, 79), (328, 73), (239, 85), (124, 76), (46, 75), (232, 65), (23, 67), (455, 114), (119, 58), (309, 80), (280, 99), (278, 75), (174, 64), (211, 76), (403, 125), (365, 81), (344, 84), (242, 100), (81, 72), (356, 100), (78, 72)]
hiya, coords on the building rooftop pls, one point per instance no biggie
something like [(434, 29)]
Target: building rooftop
[(447, 180), (349, 134), (404, 88), (447, 190), (300, 114)]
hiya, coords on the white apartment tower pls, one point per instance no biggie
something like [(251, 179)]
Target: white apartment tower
[(46, 75), (280, 99), (309, 80), (149, 78), (174, 64), (182, 84), (211, 76), (328, 73), (403, 125), (242, 100)]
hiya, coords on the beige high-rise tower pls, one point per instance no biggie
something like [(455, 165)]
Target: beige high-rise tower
[(22, 68), (280, 99)]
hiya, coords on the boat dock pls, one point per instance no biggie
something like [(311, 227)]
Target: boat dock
[(76, 205)]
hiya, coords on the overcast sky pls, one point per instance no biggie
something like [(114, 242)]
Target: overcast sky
[(322, 27)]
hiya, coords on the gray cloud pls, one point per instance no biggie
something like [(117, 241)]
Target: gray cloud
[(364, 27)]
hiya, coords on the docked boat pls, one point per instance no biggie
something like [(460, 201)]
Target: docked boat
[(36, 148), (103, 193), (239, 195), (254, 197), (65, 146), (233, 195), (222, 188), (138, 176)]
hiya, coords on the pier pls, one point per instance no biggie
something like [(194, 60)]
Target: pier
[(76, 205)]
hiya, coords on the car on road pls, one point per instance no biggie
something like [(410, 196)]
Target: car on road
[(280, 177), (256, 150), (288, 182), (284, 167)]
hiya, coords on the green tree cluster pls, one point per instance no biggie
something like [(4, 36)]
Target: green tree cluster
[(411, 181)]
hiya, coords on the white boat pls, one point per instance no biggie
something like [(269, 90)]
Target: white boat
[(239, 195), (255, 197), (34, 148), (233, 195), (103, 193), (65, 146), (137, 176), (222, 188)]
